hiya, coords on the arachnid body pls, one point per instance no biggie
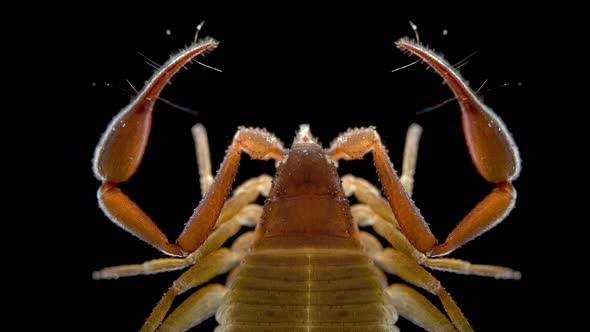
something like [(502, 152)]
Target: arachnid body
[(306, 267)]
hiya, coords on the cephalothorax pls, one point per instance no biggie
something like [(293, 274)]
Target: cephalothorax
[(306, 267)]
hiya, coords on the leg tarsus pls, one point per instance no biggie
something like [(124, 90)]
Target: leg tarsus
[(219, 236), (149, 267), (465, 267)]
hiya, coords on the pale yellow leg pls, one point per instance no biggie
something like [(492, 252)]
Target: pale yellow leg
[(203, 157), (465, 267), (414, 307), (370, 243), (217, 262), (200, 306), (410, 157), (197, 305), (213, 242), (372, 247), (395, 237), (241, 246), (363, 215), (368, 194), (397, 263), (245, 194), (248, 216)]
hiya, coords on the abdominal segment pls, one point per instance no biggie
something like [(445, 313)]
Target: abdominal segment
[(306, 290)]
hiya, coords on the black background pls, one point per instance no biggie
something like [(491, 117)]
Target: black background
[(283, 65)]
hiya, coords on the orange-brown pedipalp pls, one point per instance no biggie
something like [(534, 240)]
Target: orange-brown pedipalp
[(492, 150), (121, 149), (123, 144), (257, 143)]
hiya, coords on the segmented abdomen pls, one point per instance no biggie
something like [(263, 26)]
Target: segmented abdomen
[(306, 290)]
